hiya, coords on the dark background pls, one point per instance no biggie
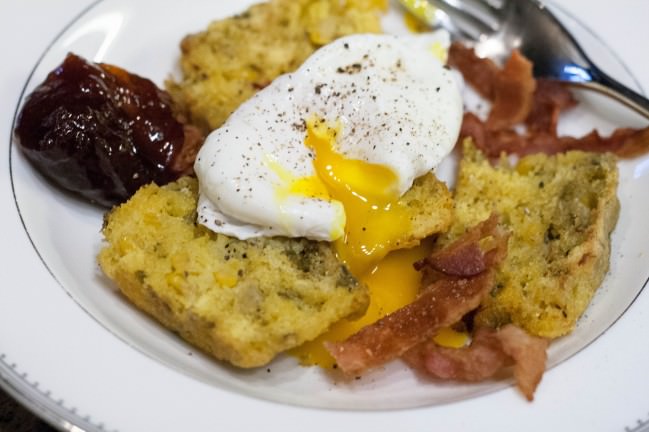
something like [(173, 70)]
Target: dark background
[(15, 418)]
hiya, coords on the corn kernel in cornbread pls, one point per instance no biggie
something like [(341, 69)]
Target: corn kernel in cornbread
[(561, 210), (235, 57)]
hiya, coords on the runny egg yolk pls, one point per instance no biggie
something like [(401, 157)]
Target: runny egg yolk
[(311, 187), (393, 283), (376, 221), (376, 225)]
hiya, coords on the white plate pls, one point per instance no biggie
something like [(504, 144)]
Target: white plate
[(74, 351)]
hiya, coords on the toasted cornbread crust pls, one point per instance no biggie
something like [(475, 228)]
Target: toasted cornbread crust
[(561, 210), (430, 209), (240, 301), (235, 57)]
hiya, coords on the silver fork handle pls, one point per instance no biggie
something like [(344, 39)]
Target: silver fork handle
[(601, 82)]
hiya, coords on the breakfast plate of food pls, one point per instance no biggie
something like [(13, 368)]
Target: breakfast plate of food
[(317, 213)]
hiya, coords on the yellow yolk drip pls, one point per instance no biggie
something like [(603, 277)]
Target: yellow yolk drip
[(312, 187), (393, 284), (376, 225), (438, 50), (376, 221), (450, 338), (303, 186)]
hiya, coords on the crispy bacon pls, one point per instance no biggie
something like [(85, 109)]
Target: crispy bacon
[(480, 73), (477, 362), (442, 303), (624, 142), (490, 351), (439, 305), (529, 355), (517, 98), (550, 99), (473, 127), (466, 256), (511, 89), (494, 142), (513, 93)]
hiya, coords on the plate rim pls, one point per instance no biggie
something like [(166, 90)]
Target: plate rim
[(56, 412)]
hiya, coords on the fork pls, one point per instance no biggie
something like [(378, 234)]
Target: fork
[(495, 27)]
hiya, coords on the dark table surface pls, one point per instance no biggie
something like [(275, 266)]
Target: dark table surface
[(16, 418)]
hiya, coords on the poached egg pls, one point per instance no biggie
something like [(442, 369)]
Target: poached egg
[(327, 151)]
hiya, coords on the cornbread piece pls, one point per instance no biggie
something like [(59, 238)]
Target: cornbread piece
[(430, 206), (241, 301), (561, 210), (235, 57)]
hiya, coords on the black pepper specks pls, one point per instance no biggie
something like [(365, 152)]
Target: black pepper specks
[(351, 69), (382, 106)]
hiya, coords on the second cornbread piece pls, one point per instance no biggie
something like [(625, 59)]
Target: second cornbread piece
[(236, 57), (561, 210)]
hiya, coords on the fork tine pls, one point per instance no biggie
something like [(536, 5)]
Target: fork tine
[(472, 21), (482, 7), (494, 5), (482, 10)]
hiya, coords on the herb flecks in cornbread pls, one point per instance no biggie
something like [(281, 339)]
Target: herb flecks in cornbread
[(561, 210), (235, 57)]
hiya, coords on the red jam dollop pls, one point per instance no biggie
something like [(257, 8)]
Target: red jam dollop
[(102, 132)]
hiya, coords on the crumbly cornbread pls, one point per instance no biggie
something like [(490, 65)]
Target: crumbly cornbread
[(561, 210), (235, 57), (430, 209), (241, 301)]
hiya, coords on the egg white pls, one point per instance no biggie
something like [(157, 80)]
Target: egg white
[(395, 104)]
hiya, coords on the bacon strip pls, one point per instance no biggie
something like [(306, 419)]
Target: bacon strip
[(529, 355), (494, 142), (440, 305), (466, 256), (513, 93), (477, 362), (443, 303), (490, 351), (480, 73), (517, 98), (550, 99), (511, 89), (624, 142)]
